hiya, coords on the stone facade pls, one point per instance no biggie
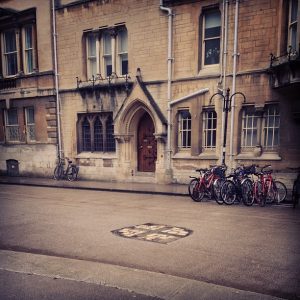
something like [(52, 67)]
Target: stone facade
[(27, 139), (88, 102)]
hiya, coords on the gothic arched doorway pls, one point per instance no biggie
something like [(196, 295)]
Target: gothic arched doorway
[(147, 145)]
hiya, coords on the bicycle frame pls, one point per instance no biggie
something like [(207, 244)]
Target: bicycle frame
[(70, 172)]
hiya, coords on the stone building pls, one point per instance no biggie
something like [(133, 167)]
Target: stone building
[(138, 83), (27, 96)]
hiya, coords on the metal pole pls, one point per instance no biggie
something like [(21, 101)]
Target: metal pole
[(226, 109)]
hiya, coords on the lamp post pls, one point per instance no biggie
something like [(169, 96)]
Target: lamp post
[(227, 99)]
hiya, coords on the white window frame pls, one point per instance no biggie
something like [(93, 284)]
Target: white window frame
[(184, 130), (292, 24), (29, 125), (122, 52), (28, 49), (107, 56), (92, 60), (271, 115), (6, 54), (209, 117), (114, 54), (204, 39), (253, 118), (12, 130)]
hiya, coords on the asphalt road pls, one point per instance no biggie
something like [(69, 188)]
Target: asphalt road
[(232, 249)]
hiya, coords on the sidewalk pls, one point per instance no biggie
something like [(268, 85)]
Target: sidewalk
[(128, 187)]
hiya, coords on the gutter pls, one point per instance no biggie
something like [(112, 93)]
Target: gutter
[(59, 147), (169, 94)]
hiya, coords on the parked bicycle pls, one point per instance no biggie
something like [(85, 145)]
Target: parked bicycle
[(207, 184), (296, 189), (71, 171), (238, 186), (266, 189)]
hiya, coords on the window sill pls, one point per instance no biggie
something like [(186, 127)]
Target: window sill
[(264, 156), (97, 155), (202, 156), (208, 155), (210, 70)]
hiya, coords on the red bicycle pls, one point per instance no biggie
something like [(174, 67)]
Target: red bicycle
[(207, 184), (268, 190)]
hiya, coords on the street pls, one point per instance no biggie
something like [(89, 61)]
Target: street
[(68, 234)]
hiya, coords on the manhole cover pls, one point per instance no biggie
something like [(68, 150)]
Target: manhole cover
[(153, 232)]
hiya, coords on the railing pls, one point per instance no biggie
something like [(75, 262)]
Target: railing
[(8, 83), (109, 81)]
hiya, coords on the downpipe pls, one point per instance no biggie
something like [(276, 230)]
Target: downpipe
[(58, 110), (169, 88), (235, 55)]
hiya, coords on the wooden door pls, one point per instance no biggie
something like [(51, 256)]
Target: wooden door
[(147, 146)]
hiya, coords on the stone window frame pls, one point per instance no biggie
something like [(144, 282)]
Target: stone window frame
[(106, 121), (108, 61)]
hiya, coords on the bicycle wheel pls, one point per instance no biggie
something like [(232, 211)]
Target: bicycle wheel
[(196, 190), (258, 194), (217, 190), (247, 192), (58, 172), (280, 191), (72, 173), (271, 193), (228, 192)]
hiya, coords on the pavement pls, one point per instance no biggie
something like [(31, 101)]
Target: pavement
[(155, 284), (171, 189), (113, 186)]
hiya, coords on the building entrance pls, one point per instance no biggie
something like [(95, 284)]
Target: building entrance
[(147, 145)]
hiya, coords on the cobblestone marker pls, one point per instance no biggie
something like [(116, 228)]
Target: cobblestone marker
[(153, 232)]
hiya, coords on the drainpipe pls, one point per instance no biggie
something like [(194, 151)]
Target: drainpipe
[(235, 55), (224, 63), (170, 29), (59, 148)]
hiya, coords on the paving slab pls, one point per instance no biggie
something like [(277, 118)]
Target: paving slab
[(139, 281)]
